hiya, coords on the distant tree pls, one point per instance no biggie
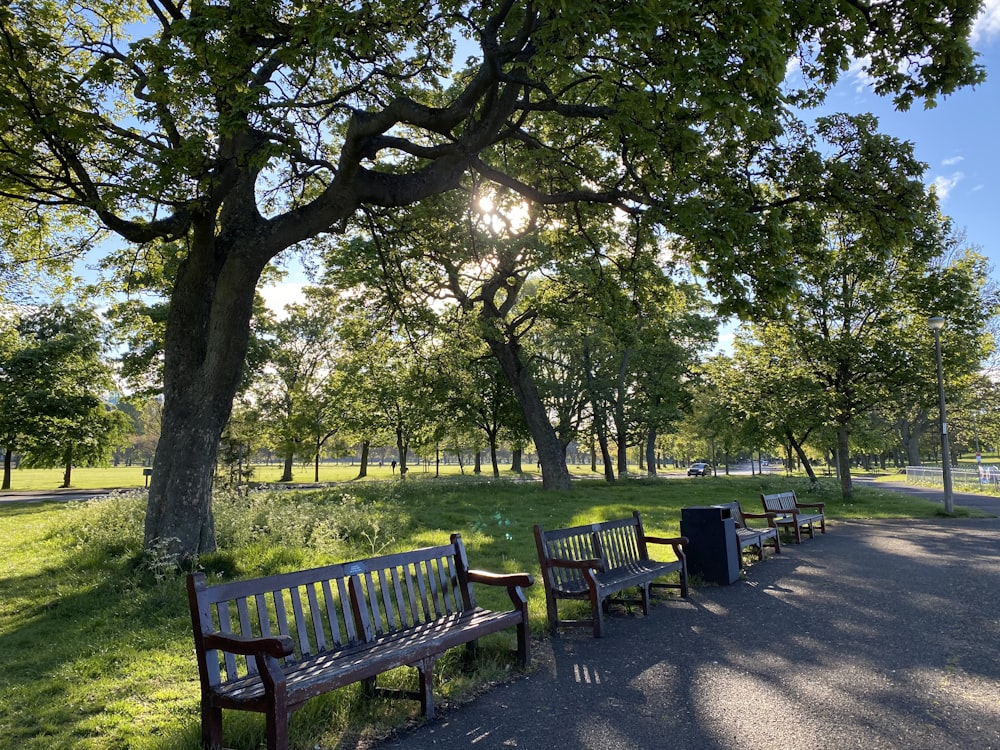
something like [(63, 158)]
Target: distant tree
[(856, 327), (55, 385), (301, 356)]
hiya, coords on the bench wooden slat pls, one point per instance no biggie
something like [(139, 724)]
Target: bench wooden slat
[(332, 620), (279, 640), (316, 612), (225, 626)]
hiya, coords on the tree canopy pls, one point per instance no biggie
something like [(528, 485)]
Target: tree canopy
[(213, 136)]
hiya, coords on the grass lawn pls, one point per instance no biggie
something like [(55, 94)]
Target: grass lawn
[(96, 636), (125, 477)]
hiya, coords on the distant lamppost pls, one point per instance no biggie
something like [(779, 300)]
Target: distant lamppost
[(936, 325)]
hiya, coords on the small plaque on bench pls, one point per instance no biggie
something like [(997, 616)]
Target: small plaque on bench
[(355, 568)]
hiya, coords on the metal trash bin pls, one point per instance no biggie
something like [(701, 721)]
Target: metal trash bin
[(711, 549)]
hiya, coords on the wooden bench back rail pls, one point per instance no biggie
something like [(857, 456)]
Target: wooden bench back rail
[(791, 514), (593, 561), (269, 644)]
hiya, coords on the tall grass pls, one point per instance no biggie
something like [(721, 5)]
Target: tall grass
[(95, 633)]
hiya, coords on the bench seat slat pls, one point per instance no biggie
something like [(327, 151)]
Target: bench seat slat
[(330, 670)]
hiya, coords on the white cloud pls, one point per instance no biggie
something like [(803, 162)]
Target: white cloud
[(943, 185), (987, 26), (952, 161), (859, 74)]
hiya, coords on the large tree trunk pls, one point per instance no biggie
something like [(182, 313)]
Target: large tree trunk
[(602, 441), (208, 329), (796, 446), (363, 469), (7, 455), (618, 413), (67, 467), (515, 460), (286, 473), (651, 460), (402, 449), (910, 434), (844, 461), (555, 474)]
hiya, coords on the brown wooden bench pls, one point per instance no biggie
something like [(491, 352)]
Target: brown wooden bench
[(269, 644), (747, 536), (789, 513), (594, 561)]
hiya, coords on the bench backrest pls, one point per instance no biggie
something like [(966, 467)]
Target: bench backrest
[(616, 543), (737, 514), (329, 608), (780, 502)]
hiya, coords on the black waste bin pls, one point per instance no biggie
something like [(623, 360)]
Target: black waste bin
[(711, 549)]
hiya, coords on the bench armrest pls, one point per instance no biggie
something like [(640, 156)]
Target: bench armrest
[(273, 646), (674, 541), (501, 579), (820, 506), (769, 516)]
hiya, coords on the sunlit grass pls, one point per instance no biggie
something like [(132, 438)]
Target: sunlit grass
[(97, 643), (126, 477)]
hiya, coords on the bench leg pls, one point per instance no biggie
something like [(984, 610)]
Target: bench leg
[(645, 599), (426, 671), (553, 612), (211, 727), (277, 723), (369, 687), (597, 607), (523, 644), (471, 650)]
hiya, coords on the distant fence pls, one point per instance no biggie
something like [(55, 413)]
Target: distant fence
[(988, 477)]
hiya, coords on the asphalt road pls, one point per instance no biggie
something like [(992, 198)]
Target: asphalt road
[(40, 496), (876, 635)]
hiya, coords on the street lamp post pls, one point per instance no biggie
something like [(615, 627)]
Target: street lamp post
[(936, 325)]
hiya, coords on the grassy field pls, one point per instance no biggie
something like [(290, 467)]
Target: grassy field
[(126, 477), (96, 636)]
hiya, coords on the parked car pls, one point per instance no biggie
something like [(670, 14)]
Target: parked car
[(699, 470)]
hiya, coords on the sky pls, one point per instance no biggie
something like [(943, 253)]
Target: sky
[(959, 139)]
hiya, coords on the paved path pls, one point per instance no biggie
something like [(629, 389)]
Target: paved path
[(39, 496), (985, 503), (879, 634)]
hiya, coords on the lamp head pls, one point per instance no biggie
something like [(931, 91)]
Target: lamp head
[(935, 323)]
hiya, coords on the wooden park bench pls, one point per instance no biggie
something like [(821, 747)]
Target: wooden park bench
[(269, 644), (789, 513), (594, 561), (747, 536)]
